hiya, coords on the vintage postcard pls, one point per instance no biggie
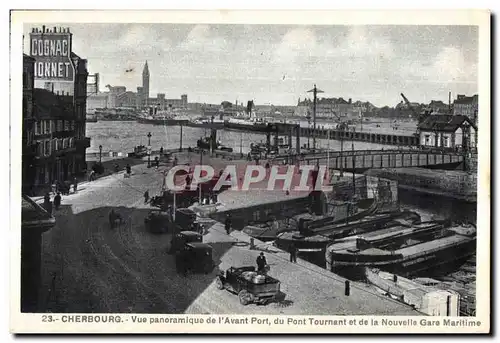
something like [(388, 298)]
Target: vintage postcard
[(250, 171)]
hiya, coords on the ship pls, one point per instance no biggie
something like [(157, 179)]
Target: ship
[(246, 125), (207, 123), (206, 144), (162, 121), (425, 249), (91, 118)]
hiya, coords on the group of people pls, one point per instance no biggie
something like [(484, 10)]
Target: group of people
[(47, 203)]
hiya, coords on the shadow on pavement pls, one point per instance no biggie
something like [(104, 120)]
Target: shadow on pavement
[(89, 268)]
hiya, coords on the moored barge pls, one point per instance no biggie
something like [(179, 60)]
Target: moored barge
[(426, 249)]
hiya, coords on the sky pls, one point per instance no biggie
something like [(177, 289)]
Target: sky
[(278, 64)]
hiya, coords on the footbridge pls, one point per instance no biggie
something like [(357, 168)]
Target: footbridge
[(362, 160)]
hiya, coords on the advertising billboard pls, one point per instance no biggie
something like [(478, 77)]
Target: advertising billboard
[(52, 53)]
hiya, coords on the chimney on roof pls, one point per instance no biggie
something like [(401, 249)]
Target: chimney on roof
[(350, 101), (43, 28)]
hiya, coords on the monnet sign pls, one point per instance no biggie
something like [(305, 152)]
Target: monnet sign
[(52, 54)]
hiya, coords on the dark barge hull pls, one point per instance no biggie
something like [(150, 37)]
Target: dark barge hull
[(217, 126), (167, 122), (243, 127), (435, 263)]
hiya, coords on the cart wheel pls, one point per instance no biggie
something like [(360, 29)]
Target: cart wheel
[(245, 297), (219, 284)]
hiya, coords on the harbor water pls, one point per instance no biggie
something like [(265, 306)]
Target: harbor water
[(123, 136)]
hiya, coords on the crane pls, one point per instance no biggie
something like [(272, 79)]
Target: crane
[(420, 117)]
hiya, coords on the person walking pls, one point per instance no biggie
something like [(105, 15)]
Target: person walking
[(293, 253), (261, 263), (146, 196), (75, 185), (57, 200), (161, 151), (129, 169), (227, 224), (47, 204)]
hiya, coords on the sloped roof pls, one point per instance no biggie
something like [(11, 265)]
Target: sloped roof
[(33, 214), (444, 122), (49, 105)]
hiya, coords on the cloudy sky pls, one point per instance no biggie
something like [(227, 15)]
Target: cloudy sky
[(277, 64)]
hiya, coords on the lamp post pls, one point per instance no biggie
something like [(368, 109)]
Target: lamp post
[(100, 154), (149, 149)]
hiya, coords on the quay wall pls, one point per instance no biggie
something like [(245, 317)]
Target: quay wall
[(325, 203), (455, 184), (261, 213)]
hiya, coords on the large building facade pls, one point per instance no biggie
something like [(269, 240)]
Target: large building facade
[(28, 143), (59, 110), (466, 106), (119, 97)]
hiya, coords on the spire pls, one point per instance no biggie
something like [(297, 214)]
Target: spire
[(146, 68)]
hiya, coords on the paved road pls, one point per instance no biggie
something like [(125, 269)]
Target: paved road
[(89, 268)]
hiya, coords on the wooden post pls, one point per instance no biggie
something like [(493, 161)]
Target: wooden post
[(347, 288)]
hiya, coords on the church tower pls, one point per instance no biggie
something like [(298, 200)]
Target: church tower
[(145, 84)]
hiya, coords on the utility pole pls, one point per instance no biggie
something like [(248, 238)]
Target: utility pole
[(315, 92), (353, 172), (199, 186), (180, 146), (149, 149), (341, 149)]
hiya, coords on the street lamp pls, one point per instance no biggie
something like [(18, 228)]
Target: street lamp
[(149, 149), (100, 153)]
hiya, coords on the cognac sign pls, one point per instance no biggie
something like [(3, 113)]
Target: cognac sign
[(52, 53)]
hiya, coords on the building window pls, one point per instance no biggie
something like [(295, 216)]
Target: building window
[(46, 126), (66, 125), (446, 142), (59, 125), (38, 127), (427, 140), (40, 147), (46, 148), (71, 142)]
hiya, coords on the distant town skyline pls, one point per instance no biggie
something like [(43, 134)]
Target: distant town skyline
[(278, 64)]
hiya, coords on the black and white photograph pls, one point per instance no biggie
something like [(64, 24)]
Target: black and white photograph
[(212, 172)]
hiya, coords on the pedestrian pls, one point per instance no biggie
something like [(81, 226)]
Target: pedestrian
[(117, 168), (157, 162), (46, 203), (188, 181), (146, 196), (75, 185), (227, 224), (57, 200), (293, 253), (175, 161), (261, 263), (129, 169), (161, 151)]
